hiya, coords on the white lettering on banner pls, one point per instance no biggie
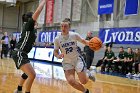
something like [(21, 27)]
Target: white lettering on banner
[(43, 37), (137, 38), (48, 36), (54, 35), (106, 6), (114, 36), (121, 36), (106, 35), (129, 36)]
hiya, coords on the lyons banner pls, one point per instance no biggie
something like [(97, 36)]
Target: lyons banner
[(105, 6), (131, 7), (120, 35)]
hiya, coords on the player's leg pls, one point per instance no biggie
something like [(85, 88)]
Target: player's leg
[(70, 76), (21, 82), (139, 67), (83, 75), (2, 51), (28, 69), (69, 71), (103, 66), (88, 61), (139, 70), (81, 67), (21, 60)]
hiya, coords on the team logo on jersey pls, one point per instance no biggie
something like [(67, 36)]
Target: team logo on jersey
[(67, 44)]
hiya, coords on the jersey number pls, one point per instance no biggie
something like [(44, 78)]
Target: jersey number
[(68, 50)]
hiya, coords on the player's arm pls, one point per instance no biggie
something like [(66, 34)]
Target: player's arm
[(56, 52), (113, 56), (38, 10), (82, 40), (56, 49)]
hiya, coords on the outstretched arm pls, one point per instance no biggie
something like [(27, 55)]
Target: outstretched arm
[(82, 40), (38, 10)]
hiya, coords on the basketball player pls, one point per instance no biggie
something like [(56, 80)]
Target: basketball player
[(24, 46), (72, 60)]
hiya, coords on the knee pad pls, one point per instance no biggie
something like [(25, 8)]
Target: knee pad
[(24, 76)]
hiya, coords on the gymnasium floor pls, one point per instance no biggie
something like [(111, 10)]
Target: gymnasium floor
[(50, 79)]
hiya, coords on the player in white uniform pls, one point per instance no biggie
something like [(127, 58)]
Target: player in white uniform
[(72, 60)]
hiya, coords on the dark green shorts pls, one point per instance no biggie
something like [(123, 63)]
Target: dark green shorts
[(20, 58)]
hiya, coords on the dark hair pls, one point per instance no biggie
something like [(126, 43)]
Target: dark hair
[(27, 16), (67, 20), (121, 46), (109, 44)]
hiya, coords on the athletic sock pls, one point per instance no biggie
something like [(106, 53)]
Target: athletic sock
[(87, 91), (20, 88)]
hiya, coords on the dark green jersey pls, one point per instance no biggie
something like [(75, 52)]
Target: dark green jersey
[(122, 55), (110, 54), (130, 55), (28, 37)]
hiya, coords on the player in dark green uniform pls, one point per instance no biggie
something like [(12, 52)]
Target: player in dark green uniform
[(120, 59), (24, 46), (137, 62), (129, 61), (108, 59)]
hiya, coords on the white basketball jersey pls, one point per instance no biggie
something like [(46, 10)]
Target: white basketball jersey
[(67, 45)]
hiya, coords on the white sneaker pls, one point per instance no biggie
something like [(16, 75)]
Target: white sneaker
[(93, 67), (138, 75), (91, 77), (16, 91), (129, 74), (135, 75)]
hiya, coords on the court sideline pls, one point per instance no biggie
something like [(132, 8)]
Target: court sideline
[(50, 79)]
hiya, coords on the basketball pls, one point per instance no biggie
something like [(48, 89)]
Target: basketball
[(95, 43)]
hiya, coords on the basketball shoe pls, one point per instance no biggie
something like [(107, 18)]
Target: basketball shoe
[(16, 91)]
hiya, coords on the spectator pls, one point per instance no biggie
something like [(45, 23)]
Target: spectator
[(120, 59), (88, 51), (129, 61), (12, 45), (5, 42), (109, 57), (137, 62), (99, 63)]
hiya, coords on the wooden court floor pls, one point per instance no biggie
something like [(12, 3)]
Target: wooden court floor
[(51, 80)]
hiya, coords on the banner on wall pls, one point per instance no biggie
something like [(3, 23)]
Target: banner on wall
[(66, 9), (131, 7), (49, 36), (105, 6), (49, 11), (41, 18), (76, 10), (120, 35), (57, 17)]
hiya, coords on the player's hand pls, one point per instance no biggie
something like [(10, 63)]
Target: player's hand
[(60, 56)]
